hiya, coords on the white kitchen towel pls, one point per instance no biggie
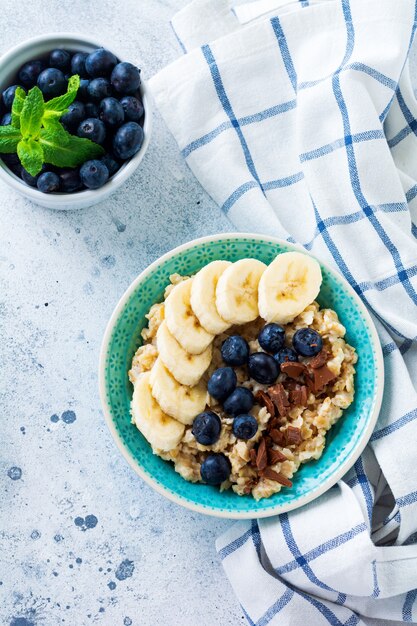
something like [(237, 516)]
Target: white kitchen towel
[(299, 119)]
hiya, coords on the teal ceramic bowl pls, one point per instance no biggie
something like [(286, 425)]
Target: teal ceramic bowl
[(345, 441)]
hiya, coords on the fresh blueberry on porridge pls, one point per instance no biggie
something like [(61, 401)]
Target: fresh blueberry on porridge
[(240, 401), (245, 426), (307, 342), (235, 350), (241, 373), (284, 355), (206, 428), (222, 383), (272, 338)]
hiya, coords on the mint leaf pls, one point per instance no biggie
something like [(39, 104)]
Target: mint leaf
[(30, 154), (17, 106), (59, 105), (9, 138), (32, 113), (65, 150)]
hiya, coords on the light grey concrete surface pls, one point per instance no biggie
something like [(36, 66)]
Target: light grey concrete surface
[(133, 558)]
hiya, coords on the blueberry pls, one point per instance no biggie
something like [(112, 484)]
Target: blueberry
[(132, 107), (125, 78), (30, 180), (70, 180), (127, 140), (91, 109), (112, 165), (74, 116), (48, 182), (100, 62), (272, 338), (94, 174), (215, 469), (221, 383), (263, 368), (284, 355), (52, 82), (245, 426), (60, 59), (29, 72), (111, 112), (12, 161), (206, 428), (241, 400), (82, 93), (99, 88), (307, 342), (93, 129), (78, 64), (6, 120), (8, 96), (235, 350)]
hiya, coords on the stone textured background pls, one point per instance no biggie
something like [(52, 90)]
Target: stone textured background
[(82, 539)]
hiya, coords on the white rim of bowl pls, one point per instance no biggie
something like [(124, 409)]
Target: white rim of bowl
[(128, 168), (332, 480)]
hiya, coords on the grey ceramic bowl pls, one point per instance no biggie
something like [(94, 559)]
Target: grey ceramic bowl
[(38, 47)]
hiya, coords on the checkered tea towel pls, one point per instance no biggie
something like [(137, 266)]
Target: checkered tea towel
[(299, 119)]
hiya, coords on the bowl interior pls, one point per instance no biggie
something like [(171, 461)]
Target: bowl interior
[(343, 439)]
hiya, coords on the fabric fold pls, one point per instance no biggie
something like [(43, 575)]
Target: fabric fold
[(300, 120)]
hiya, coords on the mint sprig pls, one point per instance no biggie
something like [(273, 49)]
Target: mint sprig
[(17, 106), (38, 137), (31, 155), (59, 105), (32, 114), (65, 150), (9, 138)]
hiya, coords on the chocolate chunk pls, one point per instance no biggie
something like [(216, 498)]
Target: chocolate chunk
[(277, 437), (319, 360), (276, 456), (298, 397), (293, 436), (279, 398), (261, 457), (309, 383), (290, 384), (252, 457), (275, 422), (321, 377), (277, 476), (293, 369), (266, 401)]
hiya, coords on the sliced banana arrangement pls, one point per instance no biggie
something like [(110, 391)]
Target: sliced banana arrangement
[(182, 322), (288, 285), (185, 367), (237, 291), (179, 401), (162, 432), (169, 396), (203, 297)]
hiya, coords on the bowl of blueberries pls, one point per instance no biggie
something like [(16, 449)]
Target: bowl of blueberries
[(75, 120)]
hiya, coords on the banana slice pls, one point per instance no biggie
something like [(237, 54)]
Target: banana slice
[(289, 284), (186, 368), (160, 430), (181, 321), (237, 291), (181, 402), (203, 297)]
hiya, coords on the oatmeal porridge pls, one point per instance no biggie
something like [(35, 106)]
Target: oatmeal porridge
[(241, 373)]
